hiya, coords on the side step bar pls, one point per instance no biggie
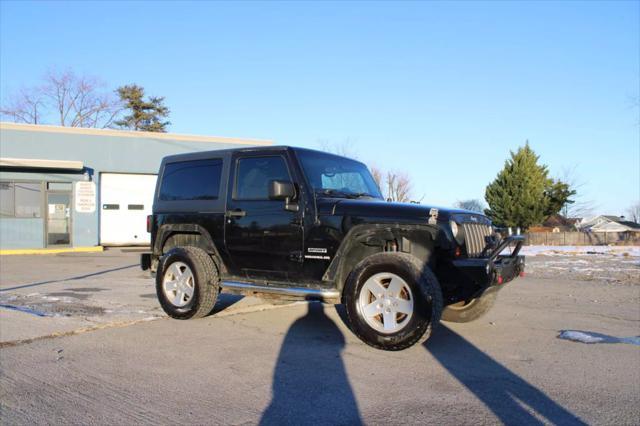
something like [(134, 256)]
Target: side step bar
[(325, 295)]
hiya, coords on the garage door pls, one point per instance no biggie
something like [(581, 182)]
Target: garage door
[(125, 202)]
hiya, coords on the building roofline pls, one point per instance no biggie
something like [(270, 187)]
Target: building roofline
[(130, 134), (35, 163)]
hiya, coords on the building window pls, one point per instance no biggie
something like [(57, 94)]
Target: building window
[(6, 199), (28, 201), (21, 199)]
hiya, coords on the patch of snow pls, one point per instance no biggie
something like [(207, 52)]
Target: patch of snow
[(623, 251), (579, 336), (25, 309), (146, 319), (591, 337)]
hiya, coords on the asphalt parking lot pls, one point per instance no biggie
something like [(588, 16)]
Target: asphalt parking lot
[(83, 341)]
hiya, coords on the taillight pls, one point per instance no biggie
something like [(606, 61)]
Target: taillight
[(149, 223)]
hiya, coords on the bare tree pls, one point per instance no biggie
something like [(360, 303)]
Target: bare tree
[(398, 187), (78, 101), (377, 176), (26, 106), (581, 207), (67, 100), (634, 212), (473, 205)]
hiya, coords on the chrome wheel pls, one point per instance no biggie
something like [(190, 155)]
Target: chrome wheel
[(386, 302), (178, 284)]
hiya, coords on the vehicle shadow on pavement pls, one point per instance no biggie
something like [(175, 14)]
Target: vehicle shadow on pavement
[(512, 399), (224, 301), (310, 384), (79, 277)]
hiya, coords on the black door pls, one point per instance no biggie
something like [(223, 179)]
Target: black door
[(262, 238)]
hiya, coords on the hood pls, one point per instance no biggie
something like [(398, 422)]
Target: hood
[(367, 207)]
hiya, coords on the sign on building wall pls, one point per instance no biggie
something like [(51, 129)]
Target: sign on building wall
[(85, 196)]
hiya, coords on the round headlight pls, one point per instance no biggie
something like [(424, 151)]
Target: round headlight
[(454, 228)]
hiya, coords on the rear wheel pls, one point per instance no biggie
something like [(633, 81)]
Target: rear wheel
[(187, 283), (472, 309), (391, 302)]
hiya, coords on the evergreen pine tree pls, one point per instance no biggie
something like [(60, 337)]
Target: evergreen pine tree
[(559, 195), (145, 115), (518, 196)]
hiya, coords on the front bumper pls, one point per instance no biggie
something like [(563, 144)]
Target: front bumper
[(496, 269)]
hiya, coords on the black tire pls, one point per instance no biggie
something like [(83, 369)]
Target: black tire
[(470, 310), (206, 282), (427, 303)]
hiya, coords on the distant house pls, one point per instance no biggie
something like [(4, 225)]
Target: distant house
[(605, 223), (559, 223)]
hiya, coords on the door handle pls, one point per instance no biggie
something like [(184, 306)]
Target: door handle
[(236, 213)]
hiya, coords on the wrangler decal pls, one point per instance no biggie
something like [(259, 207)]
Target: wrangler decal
[(316, 250)]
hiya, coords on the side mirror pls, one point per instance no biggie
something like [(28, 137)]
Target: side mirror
[(283, 190)]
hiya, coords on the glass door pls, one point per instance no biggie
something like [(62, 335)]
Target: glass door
[(58, 219)]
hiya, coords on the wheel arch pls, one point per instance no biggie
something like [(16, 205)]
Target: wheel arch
[(363, 241), (186, 235)]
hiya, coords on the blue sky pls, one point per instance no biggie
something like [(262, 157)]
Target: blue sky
[(440, 90)]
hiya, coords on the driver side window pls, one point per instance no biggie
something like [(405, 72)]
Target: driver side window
[(253, 175)]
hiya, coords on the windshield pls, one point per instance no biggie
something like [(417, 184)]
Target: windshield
[(339, 176)]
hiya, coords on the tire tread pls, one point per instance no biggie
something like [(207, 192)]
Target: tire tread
[(210, 288), (207, 282)]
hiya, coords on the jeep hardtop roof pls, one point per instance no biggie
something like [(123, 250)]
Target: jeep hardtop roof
[(229, 151)]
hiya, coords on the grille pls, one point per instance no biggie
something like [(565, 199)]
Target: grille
[(475, 237)]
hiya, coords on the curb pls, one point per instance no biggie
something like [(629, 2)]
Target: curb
[(95, 249)]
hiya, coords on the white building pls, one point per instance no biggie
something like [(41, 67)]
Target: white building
[(604, 223)]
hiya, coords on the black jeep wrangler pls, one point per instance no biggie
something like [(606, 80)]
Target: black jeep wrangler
[(300, 224)]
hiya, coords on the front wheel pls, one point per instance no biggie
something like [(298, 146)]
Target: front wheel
[(391, 301)]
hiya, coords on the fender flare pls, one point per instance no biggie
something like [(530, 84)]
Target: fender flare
[(165, 232), (375, 236)]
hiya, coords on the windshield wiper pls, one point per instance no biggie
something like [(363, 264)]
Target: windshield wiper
[(343, 194), (332, 193), (362, 194)]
